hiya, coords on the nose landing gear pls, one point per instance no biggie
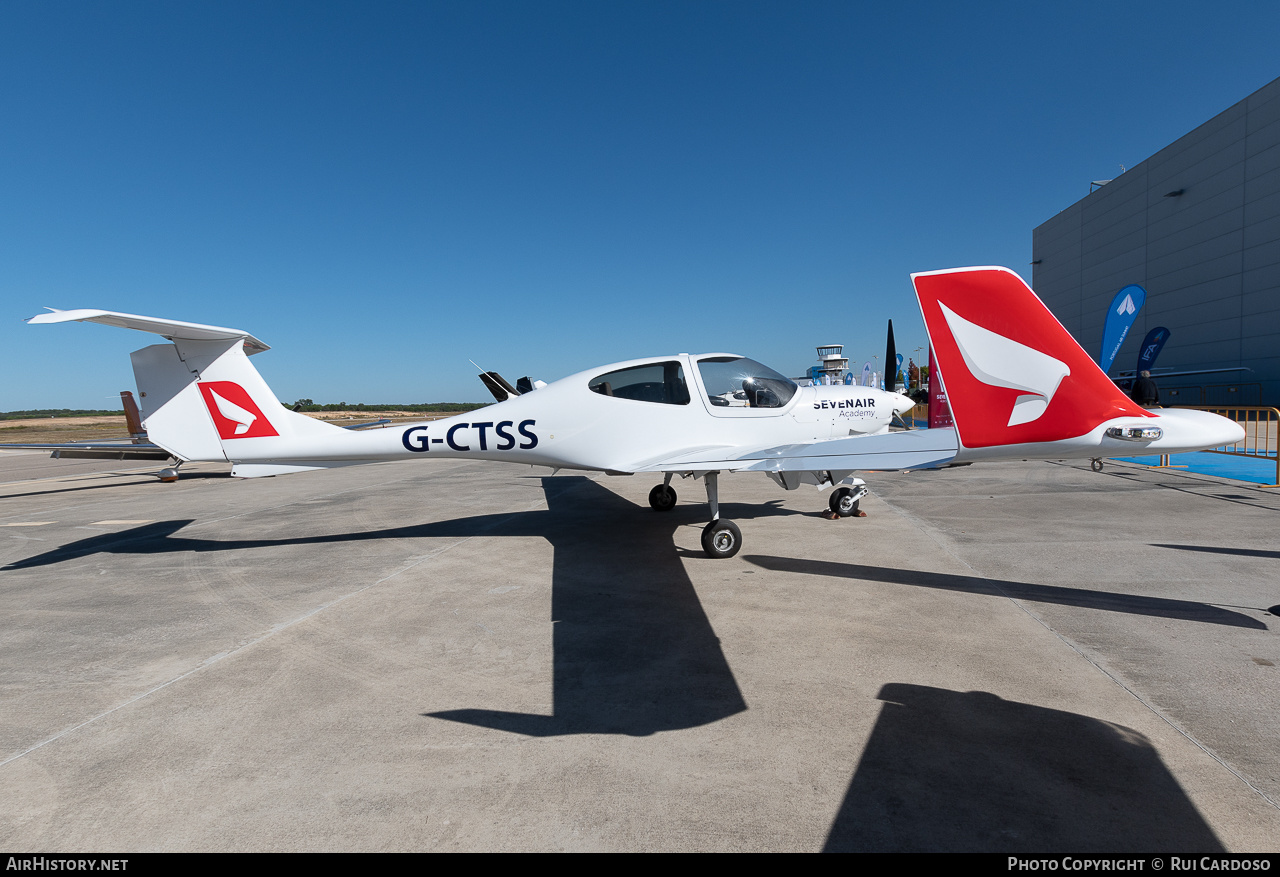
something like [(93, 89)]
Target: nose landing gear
[(844, 502)]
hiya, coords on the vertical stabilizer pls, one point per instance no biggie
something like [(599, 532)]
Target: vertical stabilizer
[(204, 400), (173, 411), (1013, 374)]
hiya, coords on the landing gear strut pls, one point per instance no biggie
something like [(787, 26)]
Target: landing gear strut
[(719, 538)]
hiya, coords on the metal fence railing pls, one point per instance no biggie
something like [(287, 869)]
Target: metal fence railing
[(919, 415), (1261, 433)]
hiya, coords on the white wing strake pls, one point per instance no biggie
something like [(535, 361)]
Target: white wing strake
[(1000, 362)]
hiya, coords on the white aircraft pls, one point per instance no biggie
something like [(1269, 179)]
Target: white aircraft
[(1019, 386)]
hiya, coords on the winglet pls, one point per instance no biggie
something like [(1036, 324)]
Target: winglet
[(174, 330)]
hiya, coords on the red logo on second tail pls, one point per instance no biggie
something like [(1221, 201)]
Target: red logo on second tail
[(234, 413)]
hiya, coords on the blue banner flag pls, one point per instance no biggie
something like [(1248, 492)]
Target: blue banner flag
[(866, 374), (1124, 310), (1151, 347)]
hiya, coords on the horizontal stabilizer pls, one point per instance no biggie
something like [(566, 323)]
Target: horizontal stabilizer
[(110, 452), (174, 330), (125, 449)]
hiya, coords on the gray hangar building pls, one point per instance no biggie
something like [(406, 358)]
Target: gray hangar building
[(1198, 226)]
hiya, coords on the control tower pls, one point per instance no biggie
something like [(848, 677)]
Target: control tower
[(833, 364)]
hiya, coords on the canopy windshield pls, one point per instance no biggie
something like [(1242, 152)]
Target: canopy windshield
[(738, 382)]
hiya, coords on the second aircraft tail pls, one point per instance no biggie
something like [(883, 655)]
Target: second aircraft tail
[(1019, 386), (1013, 374)]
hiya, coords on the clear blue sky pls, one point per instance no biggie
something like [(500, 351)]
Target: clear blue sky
[(382, 191)]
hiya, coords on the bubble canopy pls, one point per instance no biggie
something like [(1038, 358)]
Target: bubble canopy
[(738, 382)]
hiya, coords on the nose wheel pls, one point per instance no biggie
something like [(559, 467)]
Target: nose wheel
[(844, 502)]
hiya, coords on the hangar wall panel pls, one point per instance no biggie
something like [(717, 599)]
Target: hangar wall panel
[(1198, 226)]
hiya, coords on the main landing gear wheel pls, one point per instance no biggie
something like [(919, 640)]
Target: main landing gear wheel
[(721, 539), (662, 498), (1095, 464), (843, 503)]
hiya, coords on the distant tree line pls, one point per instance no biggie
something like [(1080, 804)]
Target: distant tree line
[(308, 405), (57, 412), (300, 405)]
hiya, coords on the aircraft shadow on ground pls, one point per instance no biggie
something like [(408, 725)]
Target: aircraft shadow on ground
[(1204, 489), (947, 771), (119, 480), (1106, 601), (1214, 549), (633, 650)]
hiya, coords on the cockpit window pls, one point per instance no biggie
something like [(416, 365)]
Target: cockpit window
[(737, 382), (661, 382)]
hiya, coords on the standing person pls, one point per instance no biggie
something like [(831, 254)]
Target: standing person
[(1145, 392)]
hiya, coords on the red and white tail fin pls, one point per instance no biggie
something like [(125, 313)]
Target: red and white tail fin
[(201, 398), (1013, 374)]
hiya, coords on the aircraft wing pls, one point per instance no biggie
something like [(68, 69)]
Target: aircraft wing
[(917, 449), (124, 450)]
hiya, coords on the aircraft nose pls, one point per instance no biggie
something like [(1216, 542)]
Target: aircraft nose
[(902, 404)]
